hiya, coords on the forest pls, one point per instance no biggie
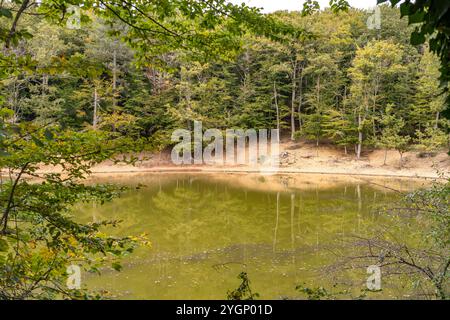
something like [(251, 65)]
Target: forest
[(340, 82), (84, 83)]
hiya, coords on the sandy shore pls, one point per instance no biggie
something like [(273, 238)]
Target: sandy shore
[(300, 158)]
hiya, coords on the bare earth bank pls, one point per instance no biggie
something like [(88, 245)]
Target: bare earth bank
[(302, 157)]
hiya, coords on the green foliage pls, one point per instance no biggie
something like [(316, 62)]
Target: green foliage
[(39, 238), (433, 18), (391, 137), (332, 86), (431, 140), (339, 126)]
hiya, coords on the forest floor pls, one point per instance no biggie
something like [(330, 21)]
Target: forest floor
[(303, 157)]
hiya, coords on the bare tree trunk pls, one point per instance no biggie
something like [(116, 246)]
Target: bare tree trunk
[(385, 156), (95, 119), (374, 106), (300, 102), (9, 204), (275, 94), (114, 77), (317, 147), (14, 102), (294, 88), (360, 138), (44, 83), (436, 124), (318, 88)]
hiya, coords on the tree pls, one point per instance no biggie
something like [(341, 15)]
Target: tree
[(402, 145), (429, 102), (340, 128), (39, 239), (325, 75), (372, 67), (391, 138), (433, 18), (431, 140)]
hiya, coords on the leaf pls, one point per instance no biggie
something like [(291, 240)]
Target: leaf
[(6, 13), (4, 153), (416, 17), (38, 142), (48, 135), (405, 9), (3, 245), (417, 38), (116, 266)]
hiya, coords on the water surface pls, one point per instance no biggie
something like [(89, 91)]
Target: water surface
[(206, 229)]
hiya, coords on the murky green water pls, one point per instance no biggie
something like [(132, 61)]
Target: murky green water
[(206, 229)]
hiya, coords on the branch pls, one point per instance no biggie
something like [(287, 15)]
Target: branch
[(12, 31), (4, 219)]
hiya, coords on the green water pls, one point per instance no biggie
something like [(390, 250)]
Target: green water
[(206, 229)]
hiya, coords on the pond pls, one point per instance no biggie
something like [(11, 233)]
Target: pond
[(207, 228)]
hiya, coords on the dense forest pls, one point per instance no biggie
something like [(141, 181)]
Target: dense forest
[(339, 82)]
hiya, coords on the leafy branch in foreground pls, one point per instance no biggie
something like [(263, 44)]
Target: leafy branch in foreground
[(209, 28), (432, 20), (39, 238)]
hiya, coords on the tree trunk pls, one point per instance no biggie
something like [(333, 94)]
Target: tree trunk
[(318, 106), (114, 84), (374, 106), (300, 102), (44, 83), (275, 94), (385, 156), (14, 102), (436, 124), (9, 205), (12, 31), (360, 138), (317, 147), (94, 118), (294, 88)]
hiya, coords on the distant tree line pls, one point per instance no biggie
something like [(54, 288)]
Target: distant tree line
[(341, 83)]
